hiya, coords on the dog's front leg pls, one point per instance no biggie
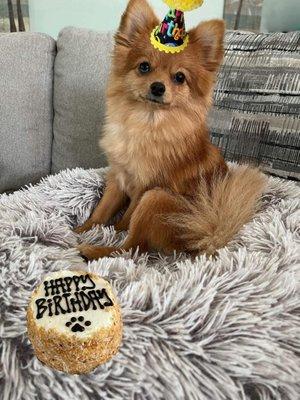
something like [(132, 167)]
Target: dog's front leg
[(124, 222), (149, 227), (112, 201)]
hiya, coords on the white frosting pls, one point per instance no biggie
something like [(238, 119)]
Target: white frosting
[(93, 320)]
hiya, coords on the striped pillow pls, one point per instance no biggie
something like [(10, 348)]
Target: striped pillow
[(256, 116)]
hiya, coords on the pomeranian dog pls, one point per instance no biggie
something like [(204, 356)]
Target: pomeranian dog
[(181, 195)]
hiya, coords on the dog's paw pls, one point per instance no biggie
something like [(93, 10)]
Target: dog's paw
[(91, 252), (85, 227), (86, 250)]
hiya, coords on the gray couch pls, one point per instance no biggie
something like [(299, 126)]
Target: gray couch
[(52, 102)]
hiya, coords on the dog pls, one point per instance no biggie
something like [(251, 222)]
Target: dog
[(182, 196)]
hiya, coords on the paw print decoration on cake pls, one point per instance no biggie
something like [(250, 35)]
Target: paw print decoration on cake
[(78, 326), (74, 321)]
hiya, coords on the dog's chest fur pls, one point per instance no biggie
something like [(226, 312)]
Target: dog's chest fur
[(141, 155)]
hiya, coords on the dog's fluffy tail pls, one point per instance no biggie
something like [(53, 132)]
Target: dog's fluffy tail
[(220, 210)]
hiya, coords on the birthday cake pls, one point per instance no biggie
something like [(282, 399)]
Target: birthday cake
[(74, 321)]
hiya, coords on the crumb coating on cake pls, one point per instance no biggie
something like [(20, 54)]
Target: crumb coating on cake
[(74, 352)]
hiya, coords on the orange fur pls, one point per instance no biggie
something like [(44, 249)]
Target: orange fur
[(219, 210), (158, 151)]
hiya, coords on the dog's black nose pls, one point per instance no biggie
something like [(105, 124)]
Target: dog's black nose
[(157, 88)]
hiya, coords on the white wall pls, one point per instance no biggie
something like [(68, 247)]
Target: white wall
[(282, 18), (50, 16)]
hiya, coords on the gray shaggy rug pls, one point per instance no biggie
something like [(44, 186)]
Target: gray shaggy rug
[(208, 329)]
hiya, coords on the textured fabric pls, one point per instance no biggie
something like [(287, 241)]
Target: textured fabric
[(26, 80), (256, 117), (81, 69), (209, 329)]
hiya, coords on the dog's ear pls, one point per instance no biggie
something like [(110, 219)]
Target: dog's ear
[(137, 19), (209, 36)]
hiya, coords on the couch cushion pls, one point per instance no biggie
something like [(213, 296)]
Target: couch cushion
[(26, 80), (81, 69), (256, 117)]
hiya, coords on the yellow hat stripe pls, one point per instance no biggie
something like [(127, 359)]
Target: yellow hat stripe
[(168, 49)]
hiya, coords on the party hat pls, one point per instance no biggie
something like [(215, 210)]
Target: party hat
[(170, 36)]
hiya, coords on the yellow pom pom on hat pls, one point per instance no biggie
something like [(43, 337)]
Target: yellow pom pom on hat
[(184, 5), (170, 36)]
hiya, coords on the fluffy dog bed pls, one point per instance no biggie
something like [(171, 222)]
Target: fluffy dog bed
[(208, 329)]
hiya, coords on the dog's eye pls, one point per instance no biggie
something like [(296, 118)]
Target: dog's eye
[(179, 78), (144, 67)]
